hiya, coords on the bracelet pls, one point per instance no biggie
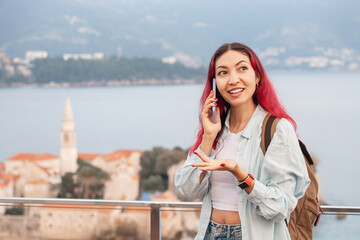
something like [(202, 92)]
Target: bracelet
[(243, 179)]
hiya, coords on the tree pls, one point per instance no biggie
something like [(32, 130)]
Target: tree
[(77, 71), (68, 186), (91, 180), (147, 161), (154, 166), (87, 182), (154, 183)]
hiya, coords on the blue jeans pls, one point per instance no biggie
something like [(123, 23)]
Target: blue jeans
[(223, 232)]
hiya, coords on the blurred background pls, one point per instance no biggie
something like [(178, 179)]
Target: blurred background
[(99, 99)]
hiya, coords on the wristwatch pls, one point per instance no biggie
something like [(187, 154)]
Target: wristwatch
[(246, 182)]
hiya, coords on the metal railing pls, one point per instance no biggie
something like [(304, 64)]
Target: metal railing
[(155, 207)]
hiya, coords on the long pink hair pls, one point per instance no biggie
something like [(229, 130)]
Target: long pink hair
[(264, 95)]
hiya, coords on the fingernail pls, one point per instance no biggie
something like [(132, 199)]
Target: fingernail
[(223, 164), (196, 153), (216, 99), (192, 165), (212, 91), (215, 104)]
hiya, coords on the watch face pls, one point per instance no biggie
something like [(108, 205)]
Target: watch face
[(243, 185)]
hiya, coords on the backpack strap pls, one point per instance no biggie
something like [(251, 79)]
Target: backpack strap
[(306, 153), (268, 129)]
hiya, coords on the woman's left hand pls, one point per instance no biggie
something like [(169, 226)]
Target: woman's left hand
[(223, 164), (215, 164)]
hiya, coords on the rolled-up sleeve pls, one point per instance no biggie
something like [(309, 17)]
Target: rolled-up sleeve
[(283, 178), (187, 178)]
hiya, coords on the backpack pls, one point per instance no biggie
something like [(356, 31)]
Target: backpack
[(308, 211)]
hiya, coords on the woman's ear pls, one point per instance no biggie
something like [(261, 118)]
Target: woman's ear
[(257, 80)]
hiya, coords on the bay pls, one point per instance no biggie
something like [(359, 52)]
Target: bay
[(326, 107)]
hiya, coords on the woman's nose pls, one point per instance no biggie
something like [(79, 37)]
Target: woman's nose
[(233, 78)]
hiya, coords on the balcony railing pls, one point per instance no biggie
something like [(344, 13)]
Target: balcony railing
[(154, 208)]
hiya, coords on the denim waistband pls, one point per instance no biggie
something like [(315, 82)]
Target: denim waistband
[(226, 227), (223, 231)]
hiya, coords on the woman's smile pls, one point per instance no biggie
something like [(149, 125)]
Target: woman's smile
[(236, 92)]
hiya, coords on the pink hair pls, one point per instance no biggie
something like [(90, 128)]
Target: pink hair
[(264, 95)]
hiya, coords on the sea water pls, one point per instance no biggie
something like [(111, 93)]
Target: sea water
[(326, 107)]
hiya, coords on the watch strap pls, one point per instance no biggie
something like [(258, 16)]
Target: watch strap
[(246, 182)]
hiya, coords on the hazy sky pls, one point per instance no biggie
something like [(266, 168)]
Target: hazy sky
[(160, 28)]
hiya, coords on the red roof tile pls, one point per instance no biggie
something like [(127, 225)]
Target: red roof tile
[(119, 154), (31, 157), (5, 179), (88, 156), (46, 170)]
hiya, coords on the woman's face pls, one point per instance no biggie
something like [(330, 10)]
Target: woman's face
[(235, 78)]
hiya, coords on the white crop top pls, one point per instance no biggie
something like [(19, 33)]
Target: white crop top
[(224, 184)]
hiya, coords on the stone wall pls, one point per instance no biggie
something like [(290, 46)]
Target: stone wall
[(19, 228)]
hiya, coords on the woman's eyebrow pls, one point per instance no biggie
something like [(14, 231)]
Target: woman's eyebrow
[(241, 61), (221, 67)]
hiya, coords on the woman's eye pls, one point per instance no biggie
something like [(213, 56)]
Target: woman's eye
[(221, 73), (242, 68)]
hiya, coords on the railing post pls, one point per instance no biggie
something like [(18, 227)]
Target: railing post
[(155, 223)]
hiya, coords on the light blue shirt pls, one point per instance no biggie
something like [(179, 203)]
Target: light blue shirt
[(281, 178)]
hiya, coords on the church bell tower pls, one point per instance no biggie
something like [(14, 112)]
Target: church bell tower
[(68, 148)]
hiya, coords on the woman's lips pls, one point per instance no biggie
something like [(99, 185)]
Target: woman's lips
[(235, 92)]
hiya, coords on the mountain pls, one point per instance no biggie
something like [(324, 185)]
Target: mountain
[(188, 30)]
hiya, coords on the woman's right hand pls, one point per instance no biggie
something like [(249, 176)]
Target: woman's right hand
[(210, 129)]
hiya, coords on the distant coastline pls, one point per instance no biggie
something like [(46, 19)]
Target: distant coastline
[(103, 83), (153, 81), (105, 71)]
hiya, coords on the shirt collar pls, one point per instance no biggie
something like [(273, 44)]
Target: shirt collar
[(256, 117)]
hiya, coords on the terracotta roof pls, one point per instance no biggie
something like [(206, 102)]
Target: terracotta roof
[(46, 170), (31, 157), (88, 156), (119, 154), (2, 166), (5, 179), (37, 182)]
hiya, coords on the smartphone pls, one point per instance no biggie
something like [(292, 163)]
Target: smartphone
[(214, 108)]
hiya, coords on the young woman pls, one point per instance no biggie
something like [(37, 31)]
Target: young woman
[(246, 195)]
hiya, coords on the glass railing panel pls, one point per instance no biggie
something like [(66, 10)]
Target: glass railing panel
[(25, 218), (338, 226), (62, 221), (179, 223)]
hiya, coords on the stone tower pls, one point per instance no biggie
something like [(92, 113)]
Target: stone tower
[(68, 149)]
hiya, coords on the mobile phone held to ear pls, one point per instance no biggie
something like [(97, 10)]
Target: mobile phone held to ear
[(214, 108)]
